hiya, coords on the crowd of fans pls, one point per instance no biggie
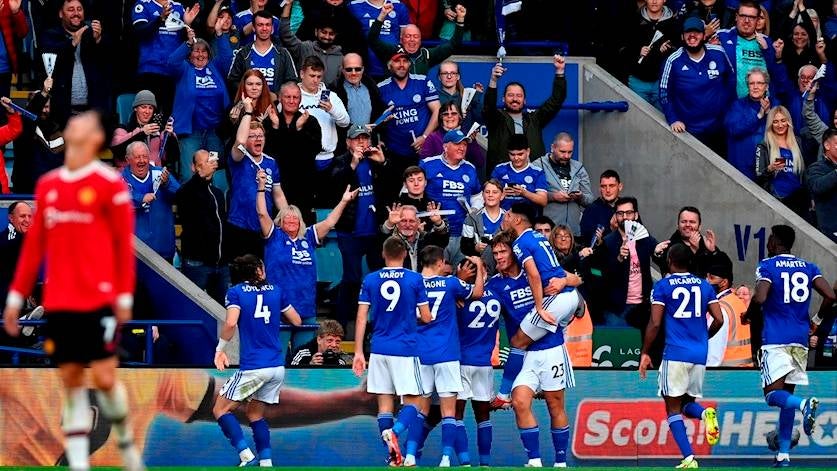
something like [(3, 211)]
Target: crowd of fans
[(248, 115)]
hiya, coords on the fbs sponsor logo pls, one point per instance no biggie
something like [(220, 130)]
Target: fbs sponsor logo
[(630, 429)]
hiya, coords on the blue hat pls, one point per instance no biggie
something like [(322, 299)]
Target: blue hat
[(693, 24), (456, 136)]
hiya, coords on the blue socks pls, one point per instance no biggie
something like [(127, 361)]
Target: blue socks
[(385, 421), (229, 425), (406, 417), (461, 444), (678, 431), (417, 434), (510, 371), (693, 410), (484, 434), (261, 435), (530, 439), (561, 441), (783, 399), (448, 435), (786, 417)]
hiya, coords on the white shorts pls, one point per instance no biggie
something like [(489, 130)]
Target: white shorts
[(477, 383), (789, 361), (390, 374), (679, 377), (561, 305), (547, 370), (262, 385), (442, 378)]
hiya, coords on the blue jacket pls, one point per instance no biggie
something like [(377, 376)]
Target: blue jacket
[(778, 73), (687, 88), (184, 92), (154, 224), (744, 132)]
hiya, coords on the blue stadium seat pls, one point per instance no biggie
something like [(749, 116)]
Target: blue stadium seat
[(123, 106)]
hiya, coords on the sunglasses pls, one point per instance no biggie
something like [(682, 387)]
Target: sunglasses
[(353, 69)]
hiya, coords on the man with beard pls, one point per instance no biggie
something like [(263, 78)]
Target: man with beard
[(274, 62), (513, 120), (731, 345), (325, 31), (600, 211), (696, 76)]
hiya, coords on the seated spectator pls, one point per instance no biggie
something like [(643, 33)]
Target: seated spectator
[(422, 59), (40, 147), (274, 62), (80, 82), (600, 212), (745, 122), (245, 21), (293, 138), (821, 179), (689, 234), (324, 47), (686, 86), (645, 56), (153, 192), (544, 225), (566, 250), (8, 133), (290, 256), (779, 163), (396, 19), (403, 222), (450, 118), (203, 211), (451, 89), (325, 350), (567, 183), (731, 345), (482, 224), (522, 181), (200, 100), (324, 105), (15, 27), (359, 93), (157, 42), (146, 125), (413, 194)]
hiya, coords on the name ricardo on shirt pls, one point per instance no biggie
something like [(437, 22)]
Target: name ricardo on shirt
[(691, 280), (791, 264), (256, 289)]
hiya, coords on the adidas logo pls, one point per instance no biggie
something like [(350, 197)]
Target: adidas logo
[(439, 175), (505, 177), (366, 15), (685, 67), (507, 288)]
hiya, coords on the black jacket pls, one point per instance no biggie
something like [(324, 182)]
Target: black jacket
[(343, 174), (615, 273), (202, 212), (295, 153), (700, 260), (34, 157)]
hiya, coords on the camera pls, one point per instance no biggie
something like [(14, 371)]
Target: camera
[(330, 357)]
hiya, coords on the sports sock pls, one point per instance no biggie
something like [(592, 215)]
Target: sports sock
[(460, 445), (229, 425), (678, 431), (416, 435), (448, 435), (783, 399), (530, 438), (786, 417), (561, 440), (693, 410), (385, 421), (484, 434), (405, 419), (76, 426), (261, 436), (512, 368)]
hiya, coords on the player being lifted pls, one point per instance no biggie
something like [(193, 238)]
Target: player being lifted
[(438, 348), (683, 299), (252, 305), (783, 296), (83, 234), (538, 261), (392, 294)]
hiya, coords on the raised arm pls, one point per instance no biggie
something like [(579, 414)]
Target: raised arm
[(265, 222), (243, 129), (327, 224)]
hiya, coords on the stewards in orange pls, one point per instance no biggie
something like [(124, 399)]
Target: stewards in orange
[(578, 338), (731, 345)]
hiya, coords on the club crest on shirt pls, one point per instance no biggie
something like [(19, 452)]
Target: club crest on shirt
[(86, 196)]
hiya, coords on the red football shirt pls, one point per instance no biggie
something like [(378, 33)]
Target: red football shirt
[(83, 233)]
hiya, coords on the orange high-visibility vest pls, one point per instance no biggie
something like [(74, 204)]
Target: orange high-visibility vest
[(738, 351), (578, 339)]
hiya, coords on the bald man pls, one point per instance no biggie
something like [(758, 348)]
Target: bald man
[(359, 92)]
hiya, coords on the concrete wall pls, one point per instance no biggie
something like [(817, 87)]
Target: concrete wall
[(666, 171)]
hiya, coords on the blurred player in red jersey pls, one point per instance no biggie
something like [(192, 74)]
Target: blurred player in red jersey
[(83, 234)]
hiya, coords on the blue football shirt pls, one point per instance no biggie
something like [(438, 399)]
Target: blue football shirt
[(531, 244), (516, 297), (393, 295), (154, 50), (244, 18), (366, 14), (243, 190), (791, 279), (293, 263), (438, 340), (478, 328), (530, 177), (685, 298), (445, 184), (258, 324), (410, 115)]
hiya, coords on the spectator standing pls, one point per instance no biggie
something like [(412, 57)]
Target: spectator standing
[(245, 21), (324, 47), (359, 92), (415, 116), (221, 19), (366, 12), (522, 181), (203, 213), (450, 118), (403, 223), (8, 133), (822, 183), (481, 225), (357, 229), (715, 14), (159, 28), (567, 184), (731, 345), (254, 86), (600, 212), (644, 55), (352, 38), (451, 89), (325, 350), (693, 76), (566, 250), (14, 28), (779, 163), (814, 127), (274, 62), (153, 192), (293, 136), (79, 78), (415, 183), (745, 122), (422, 59), (824, 100), (40, 147), (324, 105), (145, 125), (688, 233), (513, 119), (802, 39)]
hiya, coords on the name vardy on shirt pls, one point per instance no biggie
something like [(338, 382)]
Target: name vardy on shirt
[(391, 274)]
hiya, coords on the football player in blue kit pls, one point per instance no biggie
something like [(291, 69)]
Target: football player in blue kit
[(782, 297), (393, 295), (684, 300), (253, 305)]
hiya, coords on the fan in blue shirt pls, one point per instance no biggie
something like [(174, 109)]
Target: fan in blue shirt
[(522, 182), (366, 12), (157, 41), (243, 21), (416, 109), (782, 297)]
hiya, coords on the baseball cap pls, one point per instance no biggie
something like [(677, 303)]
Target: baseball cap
[(693, 24), (400, 52), (144, 97), (720, 265), (356, 130), (455, 135)]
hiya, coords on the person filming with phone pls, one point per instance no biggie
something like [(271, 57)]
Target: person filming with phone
[(779, 162)]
